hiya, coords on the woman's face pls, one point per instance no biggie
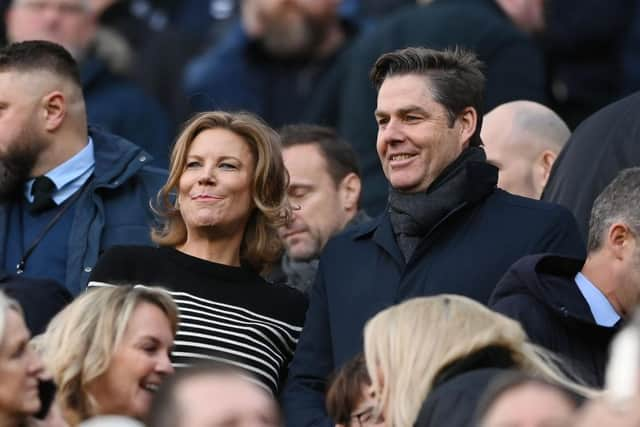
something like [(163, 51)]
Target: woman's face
[(215, 186), (20, 368), (138, 365)]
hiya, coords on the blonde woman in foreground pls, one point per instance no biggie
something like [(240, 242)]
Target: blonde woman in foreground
[(20, 367), (108, 351), (431, 358)]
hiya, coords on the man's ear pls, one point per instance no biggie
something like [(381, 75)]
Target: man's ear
[(349, 191), (619, 239), (468, 120), (54, 109), (543, 166)]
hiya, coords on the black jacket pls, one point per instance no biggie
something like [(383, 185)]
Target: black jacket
[(540, 292), (458, 388), (40, 299), (362, 271), (600, 147)]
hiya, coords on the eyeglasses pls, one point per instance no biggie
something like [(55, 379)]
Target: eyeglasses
[(367, 417)]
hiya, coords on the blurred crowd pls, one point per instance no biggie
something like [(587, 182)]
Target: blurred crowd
[(321, 213)]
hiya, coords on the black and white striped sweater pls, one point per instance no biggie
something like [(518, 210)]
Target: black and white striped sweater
[(227, 313)]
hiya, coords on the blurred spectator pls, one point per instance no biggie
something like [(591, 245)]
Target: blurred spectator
[(350, 399), (598, 149), (161, 36), (523, 139), (220, 209), (108, 351), (516, 399), (430, 359), (375, 9), (20, 367), (272, 62), (513, 69), (575, 309), (113, 103), (66, 192), (213, 395), (583, 42), (324, 189), (447, 229), (41, 299)]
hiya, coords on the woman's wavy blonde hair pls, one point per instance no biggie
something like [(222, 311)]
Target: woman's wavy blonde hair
[(80, 341), (408, 345), (260, 245)]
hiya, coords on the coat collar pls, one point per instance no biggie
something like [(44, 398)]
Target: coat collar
[(116, 158), (482, 177)]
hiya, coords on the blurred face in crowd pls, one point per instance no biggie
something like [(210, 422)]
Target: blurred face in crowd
[(238, 403), (321, 207), (66, 22), (215, 186), (138, 365), (20, 368), (528, 15), (514, 159), (20, 140), (415, 139), (530, 405), (289, 28), (364, 414)]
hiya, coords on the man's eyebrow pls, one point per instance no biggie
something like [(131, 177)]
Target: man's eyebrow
[(300, 185), (412, 109), (404, 110)]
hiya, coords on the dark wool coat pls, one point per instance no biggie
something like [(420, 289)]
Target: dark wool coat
[(540, 292), (458, 388), (600, 147), (362, 272), (40, 299)]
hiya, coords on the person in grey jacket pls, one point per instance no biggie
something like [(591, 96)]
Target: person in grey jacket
[(67, 192)]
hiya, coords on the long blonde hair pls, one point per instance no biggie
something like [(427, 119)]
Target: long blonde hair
[(260, 244), (408, 345), (79, 343)]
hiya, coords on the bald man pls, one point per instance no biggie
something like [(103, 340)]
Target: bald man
[(523, 139)]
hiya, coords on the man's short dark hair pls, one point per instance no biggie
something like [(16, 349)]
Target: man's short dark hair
[(40, 55), (338, 154), (454, 76), (619, 201)]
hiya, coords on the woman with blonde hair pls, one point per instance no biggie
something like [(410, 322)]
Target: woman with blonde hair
[(446, 349), (108, 351), (20, 367), (221, 207)]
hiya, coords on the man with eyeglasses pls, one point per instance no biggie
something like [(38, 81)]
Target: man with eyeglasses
[(113, 102)]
